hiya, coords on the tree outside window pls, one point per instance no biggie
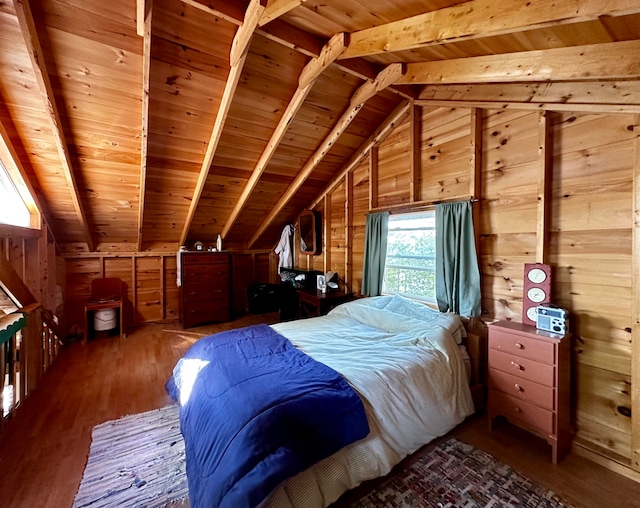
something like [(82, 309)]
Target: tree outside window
[(410, 268)]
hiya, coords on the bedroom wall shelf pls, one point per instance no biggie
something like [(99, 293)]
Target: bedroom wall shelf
[(529, 381)]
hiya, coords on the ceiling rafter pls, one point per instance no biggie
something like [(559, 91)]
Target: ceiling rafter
[(308, 76), (479, 18), (36, 55), (382, 131), (144, 9), (388, 75), (238, 54), (233, 12), (276, 8), (13, 284), (242, 40), (294, 38), (608, 61)]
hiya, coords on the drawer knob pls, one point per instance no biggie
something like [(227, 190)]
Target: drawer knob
[(518, 410), (519, 345), (517, 366), (519, 388)]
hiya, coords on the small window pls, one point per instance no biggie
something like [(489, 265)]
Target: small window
[(410, 268), (12, 208)]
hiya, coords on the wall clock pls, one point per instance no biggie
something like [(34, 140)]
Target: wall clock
[(536, 290)]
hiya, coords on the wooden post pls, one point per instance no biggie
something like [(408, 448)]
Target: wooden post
[(475, 179), (143, 24), (416, 136), (348, 214), (544, 185), (162, 289), (635, 313), (326, 240), (373, 177), (134, 289)]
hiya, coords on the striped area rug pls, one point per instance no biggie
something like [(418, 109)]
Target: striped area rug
[(138, 461), (134, 462)]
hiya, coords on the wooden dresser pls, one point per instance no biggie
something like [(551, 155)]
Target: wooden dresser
[(205, 293), (529, 381)]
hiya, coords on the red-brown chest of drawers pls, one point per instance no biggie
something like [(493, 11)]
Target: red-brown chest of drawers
[(205, 290), (529, 381)]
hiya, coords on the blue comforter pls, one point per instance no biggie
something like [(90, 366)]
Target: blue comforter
[(254, 411)]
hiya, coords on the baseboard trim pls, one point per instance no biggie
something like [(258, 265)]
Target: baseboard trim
[(621, 469)]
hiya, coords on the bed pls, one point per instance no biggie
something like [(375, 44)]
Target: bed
[(405, 363)]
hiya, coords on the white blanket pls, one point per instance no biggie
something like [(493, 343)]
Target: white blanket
[(403, 359)]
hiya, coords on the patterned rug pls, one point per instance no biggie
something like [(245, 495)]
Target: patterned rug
[(138, 461), (456, 475)]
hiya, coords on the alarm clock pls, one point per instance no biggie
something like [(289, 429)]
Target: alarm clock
[(536, 290)]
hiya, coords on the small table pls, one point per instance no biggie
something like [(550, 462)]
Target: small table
[(94, 306), (313, 302)]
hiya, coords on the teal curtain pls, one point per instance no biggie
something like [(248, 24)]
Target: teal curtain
[(457, 273), (375, 253)]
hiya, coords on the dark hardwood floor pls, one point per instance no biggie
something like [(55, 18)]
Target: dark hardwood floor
[(43, 449)]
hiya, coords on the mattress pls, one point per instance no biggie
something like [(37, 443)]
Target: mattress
[(404, 361)]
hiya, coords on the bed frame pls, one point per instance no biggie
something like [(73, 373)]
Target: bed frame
[(476, 343)]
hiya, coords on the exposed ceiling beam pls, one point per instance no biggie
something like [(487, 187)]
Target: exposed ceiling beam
[(242, 39), (613, 60), (384, 129), (239, 51), (276, 8), (479, 18), (538, 106), (308, 76), (12, 283), (307, 44), (230, 11), (294, 38), (145, 8), (388, 75), (32, 43), (329, 53)]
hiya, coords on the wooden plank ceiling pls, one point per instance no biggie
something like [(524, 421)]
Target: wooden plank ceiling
[(143, 125)]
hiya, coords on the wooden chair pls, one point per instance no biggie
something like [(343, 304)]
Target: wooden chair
[(106, 293)]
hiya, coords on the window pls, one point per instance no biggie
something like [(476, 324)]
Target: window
[(12, 208), (410, 268)]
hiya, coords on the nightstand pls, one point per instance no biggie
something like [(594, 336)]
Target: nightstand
[(313, 302), (529, 381)]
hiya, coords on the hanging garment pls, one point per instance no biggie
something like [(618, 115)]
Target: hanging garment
[(283, 249), (179, 267)]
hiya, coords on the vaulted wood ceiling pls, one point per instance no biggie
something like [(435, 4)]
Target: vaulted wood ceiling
[(143, 125)]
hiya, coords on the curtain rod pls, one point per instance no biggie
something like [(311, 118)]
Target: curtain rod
[(408, 207)]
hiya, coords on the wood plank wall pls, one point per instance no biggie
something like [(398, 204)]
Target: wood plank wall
[(33, 256), (580, 219), (150, 282)]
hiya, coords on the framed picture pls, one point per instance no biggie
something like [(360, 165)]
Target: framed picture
[(321, 282)]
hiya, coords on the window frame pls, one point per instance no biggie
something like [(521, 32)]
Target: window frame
[(14, 172), (430, 258)]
